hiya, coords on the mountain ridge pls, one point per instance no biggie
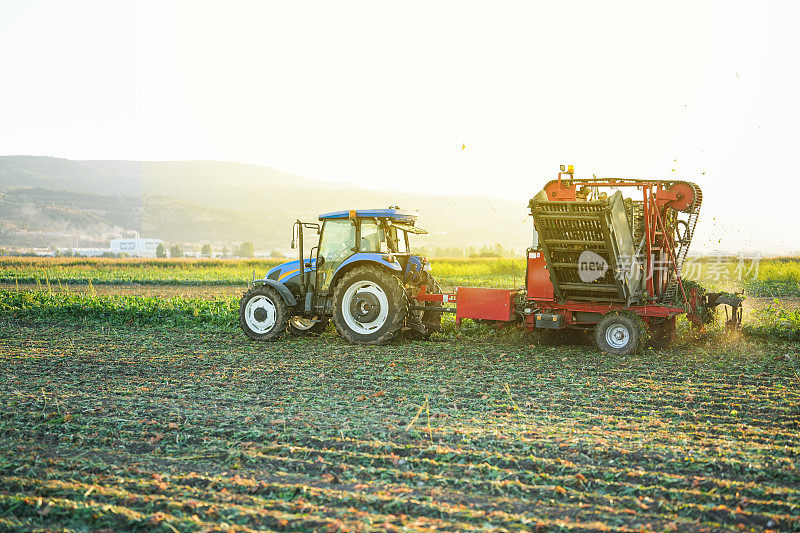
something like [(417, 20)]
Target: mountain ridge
[(217, 201)]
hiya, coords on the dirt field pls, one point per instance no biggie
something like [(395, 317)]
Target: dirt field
[(108, 428)]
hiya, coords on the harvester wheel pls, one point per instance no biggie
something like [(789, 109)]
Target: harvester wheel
[(369, 306), (663, 334), (619, 333), (299, 326), (262, 313)]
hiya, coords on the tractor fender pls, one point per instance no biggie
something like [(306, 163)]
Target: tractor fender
[(365, 259), (284, 291), (369, 257)]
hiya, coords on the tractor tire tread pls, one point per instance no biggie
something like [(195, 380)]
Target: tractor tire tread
[(281, 318), (398, 294)]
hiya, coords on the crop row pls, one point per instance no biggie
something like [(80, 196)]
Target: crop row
[(775, 322), (219, 311), (122, 310), (57, 271), (769, 278)]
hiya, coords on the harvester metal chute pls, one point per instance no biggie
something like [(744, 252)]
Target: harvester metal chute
[(589, 249)]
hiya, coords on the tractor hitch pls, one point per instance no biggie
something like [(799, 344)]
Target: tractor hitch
[(424, 296)]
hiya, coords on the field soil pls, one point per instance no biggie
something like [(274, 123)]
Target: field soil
[(120, 428)]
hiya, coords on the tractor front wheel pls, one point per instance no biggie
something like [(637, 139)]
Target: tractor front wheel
[(262, 313), (369, 306), (619, 333)]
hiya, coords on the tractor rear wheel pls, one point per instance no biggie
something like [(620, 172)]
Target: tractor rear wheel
[(369, 306), (262, 313), (299, 326), (619, 333)]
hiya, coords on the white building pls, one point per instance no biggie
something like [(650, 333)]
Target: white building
[(136, 247)]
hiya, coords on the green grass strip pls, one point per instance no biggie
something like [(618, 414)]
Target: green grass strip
[(120, 309)]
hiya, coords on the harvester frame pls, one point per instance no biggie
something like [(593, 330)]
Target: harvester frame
[(648, 292)]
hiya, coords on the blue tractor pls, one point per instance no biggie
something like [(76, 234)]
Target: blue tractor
[(359, 271)]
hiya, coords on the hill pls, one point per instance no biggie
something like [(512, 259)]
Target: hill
[(118, 178), (38, 217), (219, 202)]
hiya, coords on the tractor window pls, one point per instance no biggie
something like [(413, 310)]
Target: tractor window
[(337, 244), (338, 239), (397, 240), (372, 236)]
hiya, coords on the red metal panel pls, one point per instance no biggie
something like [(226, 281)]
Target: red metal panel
[(661, 311), (539, 285), (485, 304), (557, 191), (647, 312)]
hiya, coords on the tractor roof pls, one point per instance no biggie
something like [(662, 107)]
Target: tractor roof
[(393, 214)]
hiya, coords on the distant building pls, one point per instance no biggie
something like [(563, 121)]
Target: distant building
[(136, 247), (87, 252)]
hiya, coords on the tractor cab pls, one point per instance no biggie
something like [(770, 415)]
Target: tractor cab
[(345, 239), (379, 235)]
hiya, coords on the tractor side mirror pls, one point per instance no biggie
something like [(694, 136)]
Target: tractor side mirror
[(294, 244)]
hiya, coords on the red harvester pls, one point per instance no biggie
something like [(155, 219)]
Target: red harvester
[(604, 262)]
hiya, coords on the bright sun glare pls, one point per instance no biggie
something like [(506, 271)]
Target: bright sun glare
[(443, 98)]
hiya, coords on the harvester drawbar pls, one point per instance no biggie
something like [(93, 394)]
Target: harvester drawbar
[(600, 261)]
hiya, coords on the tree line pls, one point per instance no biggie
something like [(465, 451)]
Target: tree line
[(496, 250), (246, 249)]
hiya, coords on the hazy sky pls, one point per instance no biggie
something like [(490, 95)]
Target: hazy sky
[(448, 98)]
